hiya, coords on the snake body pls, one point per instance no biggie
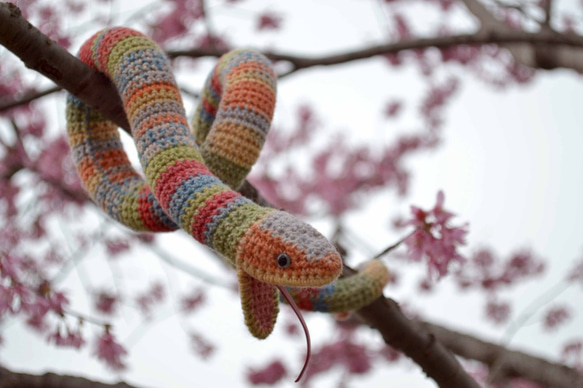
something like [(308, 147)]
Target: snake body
[(191, 176)]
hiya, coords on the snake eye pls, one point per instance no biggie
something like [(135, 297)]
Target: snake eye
[(283, 260)]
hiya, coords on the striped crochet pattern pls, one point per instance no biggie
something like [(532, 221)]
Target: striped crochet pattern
[(340, 296), (190, 177)]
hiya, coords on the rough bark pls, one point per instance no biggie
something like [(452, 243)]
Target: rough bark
[(542, 56), (384, 315), (9, 379), (417, 343), (40, 53), (510, 363)]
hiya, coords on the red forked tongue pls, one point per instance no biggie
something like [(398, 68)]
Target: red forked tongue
[(296, 309)]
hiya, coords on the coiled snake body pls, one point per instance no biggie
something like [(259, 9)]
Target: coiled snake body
[(191, 176)]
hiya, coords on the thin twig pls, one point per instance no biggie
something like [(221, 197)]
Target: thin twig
[(86, 318), (498, 367), (548, 8), (187, 268), (394, 246), (29, 97)]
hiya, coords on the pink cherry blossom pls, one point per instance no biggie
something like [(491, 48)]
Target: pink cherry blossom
[(435, 238), (402, 29), (71, 338), (212, 41), (201, 346), (116, 246), (192, 301), (487, 271), (393, 108), (555, 317), (390, 354), (110, 351), (436, 99), (497, 311), (575, 275), (268, 21), (7, 295), (177, 22), (106, 302), (269, 375), (151, 297), (145, 238)]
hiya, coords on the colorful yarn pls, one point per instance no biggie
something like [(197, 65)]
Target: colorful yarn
[(268, 247), (340, 296)]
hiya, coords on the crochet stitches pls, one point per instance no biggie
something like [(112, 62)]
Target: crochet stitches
[(268, 247)]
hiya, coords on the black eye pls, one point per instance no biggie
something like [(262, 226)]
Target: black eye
[(283, 260)]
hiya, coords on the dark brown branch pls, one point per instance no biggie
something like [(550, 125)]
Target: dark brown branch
[(542, 55), (515, 364), (399, 332), (417, 343), (440, 42), (40, 53), (548, 8), (9, 379)]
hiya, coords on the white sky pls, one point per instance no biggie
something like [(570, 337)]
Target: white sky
[(510, 165)]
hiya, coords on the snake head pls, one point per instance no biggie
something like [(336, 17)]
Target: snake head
[(281, 250)]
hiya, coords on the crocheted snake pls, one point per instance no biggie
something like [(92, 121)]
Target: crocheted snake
[(191, 176)]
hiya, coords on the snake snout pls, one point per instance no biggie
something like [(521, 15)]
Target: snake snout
[(282, 250)]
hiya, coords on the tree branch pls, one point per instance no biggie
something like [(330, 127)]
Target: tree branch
[(43, 55), (7, 104), (9, 379), (548, 8), (544, 55), (40, 53), (490, 36), (417, 343), (514, 363)]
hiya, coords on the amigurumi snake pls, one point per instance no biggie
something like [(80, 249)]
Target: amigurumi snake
[(191, 178)]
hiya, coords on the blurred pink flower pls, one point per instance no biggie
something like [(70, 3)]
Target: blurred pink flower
[(268, 21), (116, 246), (6, 300), (145, 238), (72, 339), (486, 271), (390, 354), (269, 375), (498, 312), (393, 108), (576, 273), (434, 237), (192, 301), (436, 99), (212, 41), (178, 21), (152, 296), (402, 30), (106, 302), (555, 317), (201, 346), (462, 54), (109, 351)]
